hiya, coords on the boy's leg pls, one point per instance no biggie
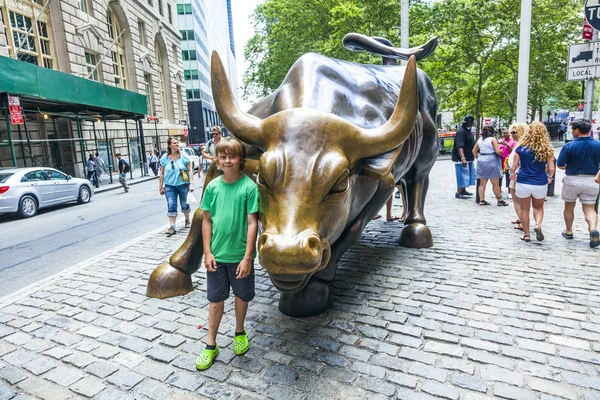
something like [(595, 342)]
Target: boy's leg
[(215, 314), (241, 308), (244, 292)]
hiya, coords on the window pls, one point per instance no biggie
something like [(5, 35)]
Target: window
[(189, 74), (31, 42), (55, 175), (142, 32), (160, 7), (187, 35), (149, 94), (35, 176), (196, 93), (83, 5), (184, 9), (189, 94), (117, 51), (150, 3), (90, 64), (161, 81), (188, 55), (170, 13)]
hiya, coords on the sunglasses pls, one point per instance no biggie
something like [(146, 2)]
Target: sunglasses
[(172, 164)]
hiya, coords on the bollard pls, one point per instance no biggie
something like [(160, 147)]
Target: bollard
[(477, 191), (551, 184)]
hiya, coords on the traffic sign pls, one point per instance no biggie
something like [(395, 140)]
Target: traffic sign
[(588, 31), (592, 13), (584, 61), (16, 114)]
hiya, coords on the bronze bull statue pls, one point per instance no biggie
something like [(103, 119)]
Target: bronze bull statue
[(326, 150)]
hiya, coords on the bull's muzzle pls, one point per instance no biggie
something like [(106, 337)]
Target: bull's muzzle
[(291, 261)]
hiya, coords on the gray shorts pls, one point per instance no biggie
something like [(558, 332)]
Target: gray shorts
[(223, 278), (582, 187)]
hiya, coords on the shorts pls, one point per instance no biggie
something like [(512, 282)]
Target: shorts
[(524, 190), (223, 278), (582, 187), (465, 176)]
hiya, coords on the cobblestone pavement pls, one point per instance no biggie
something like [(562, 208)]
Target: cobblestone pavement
[(481, 314)]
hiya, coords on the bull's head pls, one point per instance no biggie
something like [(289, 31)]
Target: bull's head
[(306, 173)]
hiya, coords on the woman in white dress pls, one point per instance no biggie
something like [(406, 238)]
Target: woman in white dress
[(488, 164)]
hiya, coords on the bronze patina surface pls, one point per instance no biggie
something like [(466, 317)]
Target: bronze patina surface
[(326, 150)]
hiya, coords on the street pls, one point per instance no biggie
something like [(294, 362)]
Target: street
[(59, 237)]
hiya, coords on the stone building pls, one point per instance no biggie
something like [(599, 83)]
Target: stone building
[(127, 44)]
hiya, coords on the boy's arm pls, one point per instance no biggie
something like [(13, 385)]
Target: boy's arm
[(245, 267), (209, 259)]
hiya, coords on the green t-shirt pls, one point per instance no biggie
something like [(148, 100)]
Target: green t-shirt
[(229, 205)]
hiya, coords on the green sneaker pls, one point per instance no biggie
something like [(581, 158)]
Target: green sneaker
[(206, 358), (240, 344)]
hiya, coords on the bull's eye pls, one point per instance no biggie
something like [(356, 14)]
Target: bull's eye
[(262, 182), (340, 186)]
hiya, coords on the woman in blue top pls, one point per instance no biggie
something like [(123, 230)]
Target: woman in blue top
[(535, 159), (177, 177)]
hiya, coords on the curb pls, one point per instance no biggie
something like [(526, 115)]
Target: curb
[(130, 183), (26, 291)]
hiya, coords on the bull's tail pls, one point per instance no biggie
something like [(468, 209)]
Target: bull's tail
[(384, 48)]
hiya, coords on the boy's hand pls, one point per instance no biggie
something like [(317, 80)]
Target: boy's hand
[(209, 262), (244, 269)]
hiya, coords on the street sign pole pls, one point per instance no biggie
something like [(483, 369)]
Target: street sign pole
[(524, 45), (589, 90)]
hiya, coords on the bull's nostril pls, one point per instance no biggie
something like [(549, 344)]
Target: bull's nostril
[(314, 243), (262, 240)]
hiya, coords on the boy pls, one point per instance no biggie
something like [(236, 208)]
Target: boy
[(229, 230)]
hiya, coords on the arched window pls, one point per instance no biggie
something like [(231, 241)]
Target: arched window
[(117, 51), (161, 80)]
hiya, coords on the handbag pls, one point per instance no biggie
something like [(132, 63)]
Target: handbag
[(184, 175)]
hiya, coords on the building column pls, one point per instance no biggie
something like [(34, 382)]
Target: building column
[(3, 42)]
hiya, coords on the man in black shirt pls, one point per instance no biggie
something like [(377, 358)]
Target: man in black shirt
[(123, 170), (462, 155)]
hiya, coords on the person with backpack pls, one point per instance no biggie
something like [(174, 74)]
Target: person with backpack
[(124, 168), (208, 151)]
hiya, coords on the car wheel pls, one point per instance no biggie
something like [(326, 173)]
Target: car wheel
[(28, 206), (85, 194)]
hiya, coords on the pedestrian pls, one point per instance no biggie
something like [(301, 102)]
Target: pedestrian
[(534, 156), (123, 167), (175, 180), (517, 130), (100, 169), (561, 131), (91, 171), (580, 158), (488, 155), (153, 161), (209, 150), (229, 229), (462, 155), (507, 145)]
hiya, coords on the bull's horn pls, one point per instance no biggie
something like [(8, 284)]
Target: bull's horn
[(398, 128), (243, 126)]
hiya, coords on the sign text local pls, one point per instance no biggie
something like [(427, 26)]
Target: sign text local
[(16, 114), (584, 61)]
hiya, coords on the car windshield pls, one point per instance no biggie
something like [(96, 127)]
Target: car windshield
[(4, 176)]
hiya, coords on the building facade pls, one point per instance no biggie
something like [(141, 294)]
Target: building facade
[(205, 26), (129, 44)]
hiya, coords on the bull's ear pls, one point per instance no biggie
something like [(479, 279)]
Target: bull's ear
[(243, 126)]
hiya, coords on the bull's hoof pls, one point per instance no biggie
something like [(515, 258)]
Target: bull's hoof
[(167, 281), (416, 235), (313, 299)]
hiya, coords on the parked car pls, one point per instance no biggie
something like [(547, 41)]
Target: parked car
[(25, 190), (192, 155)]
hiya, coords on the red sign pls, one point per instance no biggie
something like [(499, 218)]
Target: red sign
[(185, 131), (588, 31), (16, 114), (580, 107), (152, 118)]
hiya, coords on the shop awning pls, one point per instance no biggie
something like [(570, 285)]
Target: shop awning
[(57, 92)]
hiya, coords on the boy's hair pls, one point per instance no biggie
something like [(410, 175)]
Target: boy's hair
[(233, 147)]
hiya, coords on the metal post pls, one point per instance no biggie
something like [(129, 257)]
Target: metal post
[(58, 148), (404, 31), (21, 146), (589, 90), (28, 141), (128, 149), (142, 150), (81, 146), (156, 134), (95, 138), (108, 148), (524, 44), (12, 145), (140, 127)]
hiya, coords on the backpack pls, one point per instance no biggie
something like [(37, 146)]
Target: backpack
[(127, 167)]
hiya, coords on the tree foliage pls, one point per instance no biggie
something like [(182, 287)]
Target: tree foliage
[(474, 69)]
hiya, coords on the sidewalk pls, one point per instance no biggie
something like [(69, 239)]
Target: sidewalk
[(105, 185), (478, 315)]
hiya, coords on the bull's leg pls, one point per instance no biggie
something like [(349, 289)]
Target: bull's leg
[(174, 278), (315, 297), (415, 233)]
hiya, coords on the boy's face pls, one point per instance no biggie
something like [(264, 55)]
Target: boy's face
[(229, 162)]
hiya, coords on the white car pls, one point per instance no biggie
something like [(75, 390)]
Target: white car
[(25, 190), (192, 156)]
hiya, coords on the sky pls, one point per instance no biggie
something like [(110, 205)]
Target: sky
[(242, 32)]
